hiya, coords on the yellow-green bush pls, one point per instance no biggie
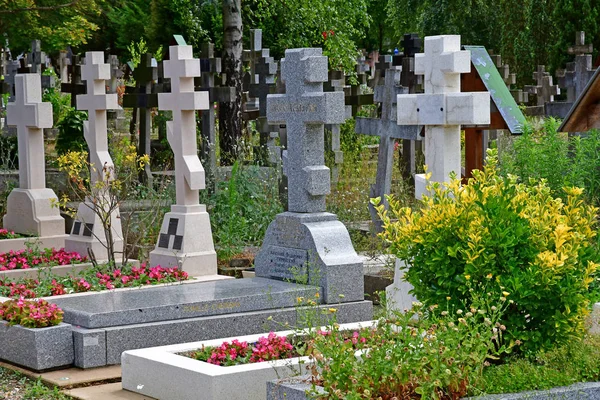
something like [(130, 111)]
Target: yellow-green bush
[(515, 239)]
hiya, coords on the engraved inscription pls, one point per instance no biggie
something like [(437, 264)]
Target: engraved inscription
[(230, 305), (287, 263), (173, 222), (76, 228), (163, 241), (88, 229), (177, 242), (294, 107)]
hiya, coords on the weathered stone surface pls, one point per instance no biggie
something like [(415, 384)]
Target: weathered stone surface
[(180, 302), (37, 349), (296, 388)]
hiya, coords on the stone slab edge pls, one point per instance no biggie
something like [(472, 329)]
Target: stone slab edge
[(43, 242), (60, 270), (296, 389)]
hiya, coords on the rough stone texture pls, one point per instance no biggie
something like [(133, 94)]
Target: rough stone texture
[(96, 102), (292, 389), (315, 246), (29, 208), (185, 238), (397, 294), (442, 109), (131, 337), (90, 347), (37, 349), (181, 302)]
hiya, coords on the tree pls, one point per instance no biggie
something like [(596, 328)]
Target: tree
[(175, 17), (128, 21), (59, 23), (230, 114)]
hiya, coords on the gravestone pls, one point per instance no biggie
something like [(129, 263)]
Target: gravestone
[(141, 98), (9, 79), (306, 242), (384, 62), (185, 238), (87, 233), (355, 96), (442, 109), (265, 71), (30, 208), (337, 83), (210, 67), (251, 57), (544, 89), (75, 87), (116, 118), (388, 131), (63, 66)]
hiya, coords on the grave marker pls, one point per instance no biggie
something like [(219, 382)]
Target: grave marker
[(307, 242), (388, 130), (442, 109), (185, 238), (88, 233), (30, 208), (75, 87), (354, 94), (116, 118)]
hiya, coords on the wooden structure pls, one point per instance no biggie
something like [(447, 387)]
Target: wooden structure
[(505, 114)]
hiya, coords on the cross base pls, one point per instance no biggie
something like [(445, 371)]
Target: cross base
[(30, 212), (313, 248), (87, 233), (185, 241)]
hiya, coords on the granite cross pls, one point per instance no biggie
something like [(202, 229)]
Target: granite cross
[(305, 108), (581, 71), (384, 63), (141, 98), (63, 65), (183, 101), (388, 130), (252, 56), (442, 109), (30, 116), (37, 57), (337, 83), (9, 79), (544, 89)]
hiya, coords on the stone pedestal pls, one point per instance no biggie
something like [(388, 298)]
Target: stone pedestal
[(31, 212), (315, 247), (185, 241), (397, 294), (88, 233)]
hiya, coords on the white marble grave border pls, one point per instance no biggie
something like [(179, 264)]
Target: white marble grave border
[(162, 373)]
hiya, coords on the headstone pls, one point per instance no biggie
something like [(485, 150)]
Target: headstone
[(251, 57), (210, 67), (337, 83), (30, 208), (397, 294), (544, 89), (9, 79), (388, 130), (442, 109), (88, 233), (116, 118), (185, 238), (75, 87), (306, 242), (142, 99), (63, 65), (384, 62), (355, 96)]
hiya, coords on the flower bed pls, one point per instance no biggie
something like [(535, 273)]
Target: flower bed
[(170, 372), (32, 334), (6, 234), (89, 280), (31, 258)]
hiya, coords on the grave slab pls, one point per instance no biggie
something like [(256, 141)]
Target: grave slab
[(180, 302), (111, 391)]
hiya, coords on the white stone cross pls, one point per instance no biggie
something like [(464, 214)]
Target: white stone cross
[(30, 116), (442, 109), (96, 72), (182, 68)]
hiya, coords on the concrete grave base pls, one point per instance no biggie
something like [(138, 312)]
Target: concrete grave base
[(299, 388), (36, 349), (31, 212), (316, 247), (163, 373), (87, 233), (185, 240), (43, 242)]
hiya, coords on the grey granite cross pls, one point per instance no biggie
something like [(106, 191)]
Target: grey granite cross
[(383, 64), (354, 94), (305, 108), (545, 90), (388, 130), (9, 79), (75, 86), (579, 72), (36, 58)]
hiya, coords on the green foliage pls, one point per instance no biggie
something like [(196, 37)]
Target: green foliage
[(129, 22), (576, 361), (543, 153), (70, 132), (175, 17), (514, 239), (60, 103), (242, 208)]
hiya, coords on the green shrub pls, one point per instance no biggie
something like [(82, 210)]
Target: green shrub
[(70, 132), (60, 103), (516, 238)]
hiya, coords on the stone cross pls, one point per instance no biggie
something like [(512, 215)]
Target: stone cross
[(354, 94), (30, 116), (442, 109), (185, 238), (141, 98), (37, 57), (383, 64), (29, 208), (388, 130), (252, 56), (266, 71), (305, 108), (337, 83), (75, 87), (115, 73), (210, 67), (580, 46), (87, 233), (545, 90), (9, 79), (581, 70), (63, 65)]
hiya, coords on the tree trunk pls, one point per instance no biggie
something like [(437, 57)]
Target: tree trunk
[(230, 114)]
